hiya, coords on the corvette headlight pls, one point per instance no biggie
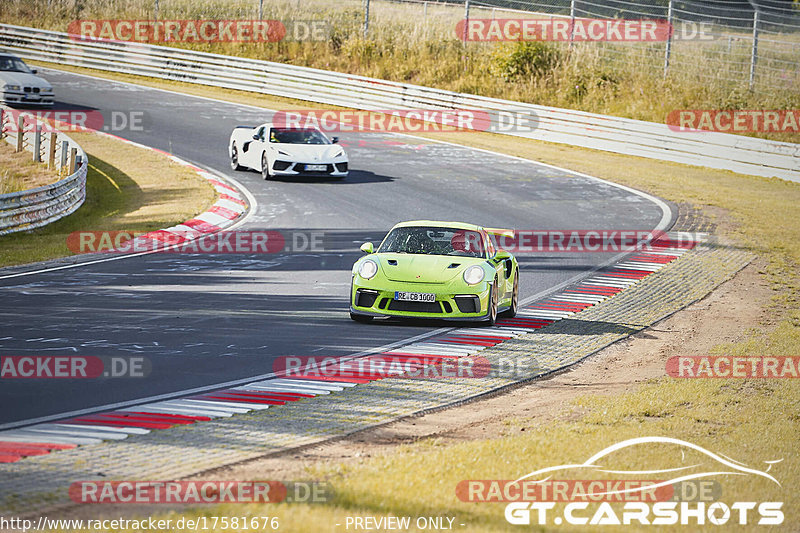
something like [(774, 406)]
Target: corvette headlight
[(284, 153), (12, 88), (474, 275), (368, 269), (340, 154)]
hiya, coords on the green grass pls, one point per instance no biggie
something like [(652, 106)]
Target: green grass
[(126, 190), (408, 44)]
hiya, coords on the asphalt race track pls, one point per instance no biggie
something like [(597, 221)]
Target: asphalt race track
[(206, 319)]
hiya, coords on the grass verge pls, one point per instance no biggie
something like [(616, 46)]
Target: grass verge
[(18, 171), (127, 189), (751, 420)]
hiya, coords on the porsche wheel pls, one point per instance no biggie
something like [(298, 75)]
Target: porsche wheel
[(265, 167), (492, 318), (235, 158), (511, 312), (361, 318)]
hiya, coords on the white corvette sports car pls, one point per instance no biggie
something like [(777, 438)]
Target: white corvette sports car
[(280, 151)]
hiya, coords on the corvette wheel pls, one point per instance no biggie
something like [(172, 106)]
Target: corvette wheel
[(511, 312), (265, 167), (490, 321), (235, 158), (361, 318)]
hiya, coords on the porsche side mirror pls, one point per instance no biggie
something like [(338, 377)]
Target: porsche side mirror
[(334, 140), (34, 71), (367, 248), (502, 255)]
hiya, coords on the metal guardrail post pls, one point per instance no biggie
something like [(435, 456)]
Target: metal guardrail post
[(20, 132), (51, 148), (466, 21), (37, 144), (260, 9), (754, 51), (668, 49), (366, 18), (73, 163), (571, 22), (64, 153), (2, 123)]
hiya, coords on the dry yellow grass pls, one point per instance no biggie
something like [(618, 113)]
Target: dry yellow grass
[(18, 172), (128, 188)]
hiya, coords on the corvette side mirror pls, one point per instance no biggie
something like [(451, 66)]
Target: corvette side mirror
[(502, 255), (367, 248), (256, 137), (334, 140), (34, 71)]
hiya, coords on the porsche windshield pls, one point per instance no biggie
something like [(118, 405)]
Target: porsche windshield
[(12, 64), (434, 241), (297, 136)]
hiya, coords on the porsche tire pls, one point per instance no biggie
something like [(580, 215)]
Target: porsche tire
[(511, 312), (491, 319)]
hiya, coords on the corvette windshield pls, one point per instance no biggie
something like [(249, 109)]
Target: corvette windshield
[(12, 64), (433, 241), (297, 136)]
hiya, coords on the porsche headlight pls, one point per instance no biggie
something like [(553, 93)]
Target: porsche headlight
[(368, 269), (474, 275)]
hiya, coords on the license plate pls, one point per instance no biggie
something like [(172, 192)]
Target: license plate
[(317, 168), (415, 296)]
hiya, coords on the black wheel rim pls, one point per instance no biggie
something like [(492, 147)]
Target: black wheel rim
[(235, 157)]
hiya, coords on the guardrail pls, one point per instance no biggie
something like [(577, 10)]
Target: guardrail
[(737, 153), (33, 208)]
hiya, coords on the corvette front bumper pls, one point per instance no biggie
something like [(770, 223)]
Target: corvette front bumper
[(338, 169)]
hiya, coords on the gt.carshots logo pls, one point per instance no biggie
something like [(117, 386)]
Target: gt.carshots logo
[(539, 498)]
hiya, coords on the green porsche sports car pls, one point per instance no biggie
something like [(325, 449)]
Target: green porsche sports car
[(429, 269)]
